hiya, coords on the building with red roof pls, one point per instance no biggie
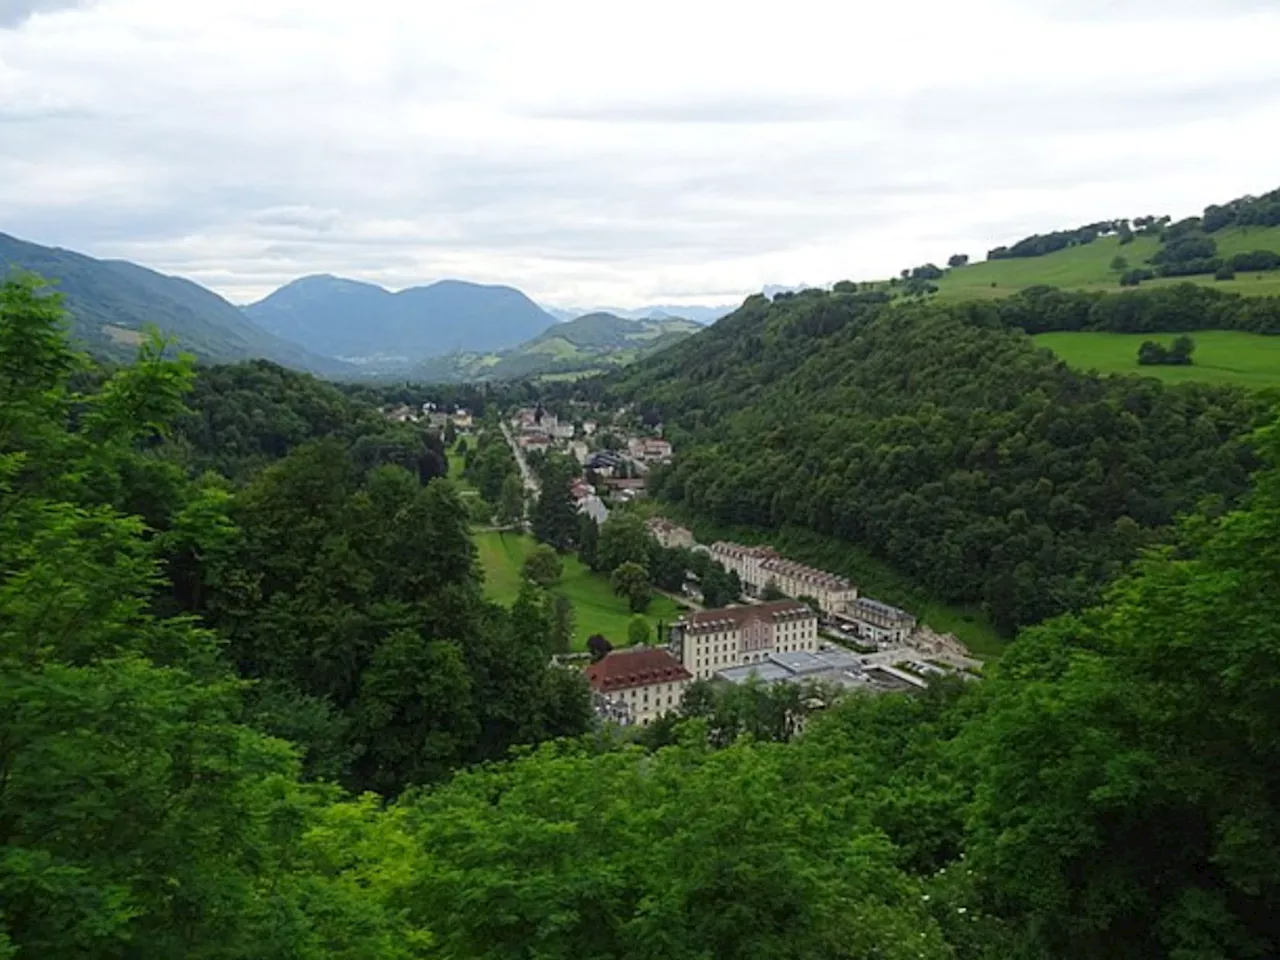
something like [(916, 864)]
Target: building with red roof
[(646, 681)]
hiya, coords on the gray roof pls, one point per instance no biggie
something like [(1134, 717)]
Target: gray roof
[(883, 609)]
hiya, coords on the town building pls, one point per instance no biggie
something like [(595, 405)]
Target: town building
[(579, 451), (878, 621), (463, 421), (650, 449), (669, 534), (760, 567), (535, 442), (648, 681), (711, 640), (589, 427)]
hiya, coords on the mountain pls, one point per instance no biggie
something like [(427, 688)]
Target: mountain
[(941, 439), (588, 344), (110, 301), (364, 322), (698, 314)]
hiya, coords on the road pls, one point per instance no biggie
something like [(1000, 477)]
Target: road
[(530, 481)]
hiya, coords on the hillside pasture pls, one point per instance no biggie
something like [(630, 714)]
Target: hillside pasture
[(1222, 356)]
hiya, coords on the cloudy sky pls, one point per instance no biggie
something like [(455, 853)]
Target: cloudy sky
[(596, 152)]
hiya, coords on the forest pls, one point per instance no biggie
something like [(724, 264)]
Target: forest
[(943, 440), (253, 705)]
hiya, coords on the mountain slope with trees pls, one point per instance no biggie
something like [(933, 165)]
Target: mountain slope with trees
[(587, 344), (111, 302), (940, 438), (346, 318), (1109, 791)]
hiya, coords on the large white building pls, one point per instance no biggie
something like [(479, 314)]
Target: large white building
[(642, 683), (711, 640), (759, 567), (879, 621)]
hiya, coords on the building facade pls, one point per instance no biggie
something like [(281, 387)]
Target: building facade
[(760, 567), (879, 622), (711, 640), (669, 534), (641, 683)]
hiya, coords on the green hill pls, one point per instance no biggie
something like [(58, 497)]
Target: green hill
[(1088, 267), (589, 344), (942, 440), (110, 302)]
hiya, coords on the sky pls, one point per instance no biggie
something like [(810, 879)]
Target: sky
[(604, 153)]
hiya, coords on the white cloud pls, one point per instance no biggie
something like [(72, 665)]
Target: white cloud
[(594, 152)]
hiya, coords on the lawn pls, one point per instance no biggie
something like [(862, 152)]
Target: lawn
[(597, 609), (1222, 356)]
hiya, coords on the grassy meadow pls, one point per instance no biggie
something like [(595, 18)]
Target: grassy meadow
[(1221, 356), (597, 609), (1088, 267)]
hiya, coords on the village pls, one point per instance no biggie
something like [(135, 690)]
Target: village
[(819, 631), (794, 623)]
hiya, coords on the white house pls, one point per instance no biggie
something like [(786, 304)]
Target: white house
[(711, 640)]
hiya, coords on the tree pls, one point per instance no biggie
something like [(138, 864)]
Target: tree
[(1169, 726), (563, 620), (598, 647), (638, 631), (589, 542), (631, 580), (555, 517), (957, 260), (1225, 272), (511, 502), (1182, 349), (1119, 263), (543, 566), (623, 539), (772, 592)]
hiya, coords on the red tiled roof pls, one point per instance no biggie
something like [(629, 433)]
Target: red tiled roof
[(738, 617), (639, 667)]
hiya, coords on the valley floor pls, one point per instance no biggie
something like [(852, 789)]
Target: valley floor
[(1221, 356), (597, 608)]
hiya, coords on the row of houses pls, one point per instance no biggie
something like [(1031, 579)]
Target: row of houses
[(762, 643), (461, 419), (760, 568)]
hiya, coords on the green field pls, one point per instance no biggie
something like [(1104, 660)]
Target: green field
[(1222, 356), (598, 610), (1088, 267)]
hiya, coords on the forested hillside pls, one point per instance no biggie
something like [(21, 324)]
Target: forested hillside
[(112, 302), (943, 440), (1109, 791)]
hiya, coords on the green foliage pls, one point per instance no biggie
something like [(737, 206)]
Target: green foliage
[(639, 634), (1225, 357), (1151, 353), (623, 539), (555, 518), (631, 580), (1126, 803), (941, 441), (543, 566), (511, 501)]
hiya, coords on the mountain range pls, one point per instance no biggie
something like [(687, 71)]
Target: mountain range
[(702, 314), (588, 344), (110, 303), (365, 324)]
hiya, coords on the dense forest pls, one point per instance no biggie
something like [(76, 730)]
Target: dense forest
[(942, 439), (199, 671)]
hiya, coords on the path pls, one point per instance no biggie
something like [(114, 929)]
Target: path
[(530, 482)]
